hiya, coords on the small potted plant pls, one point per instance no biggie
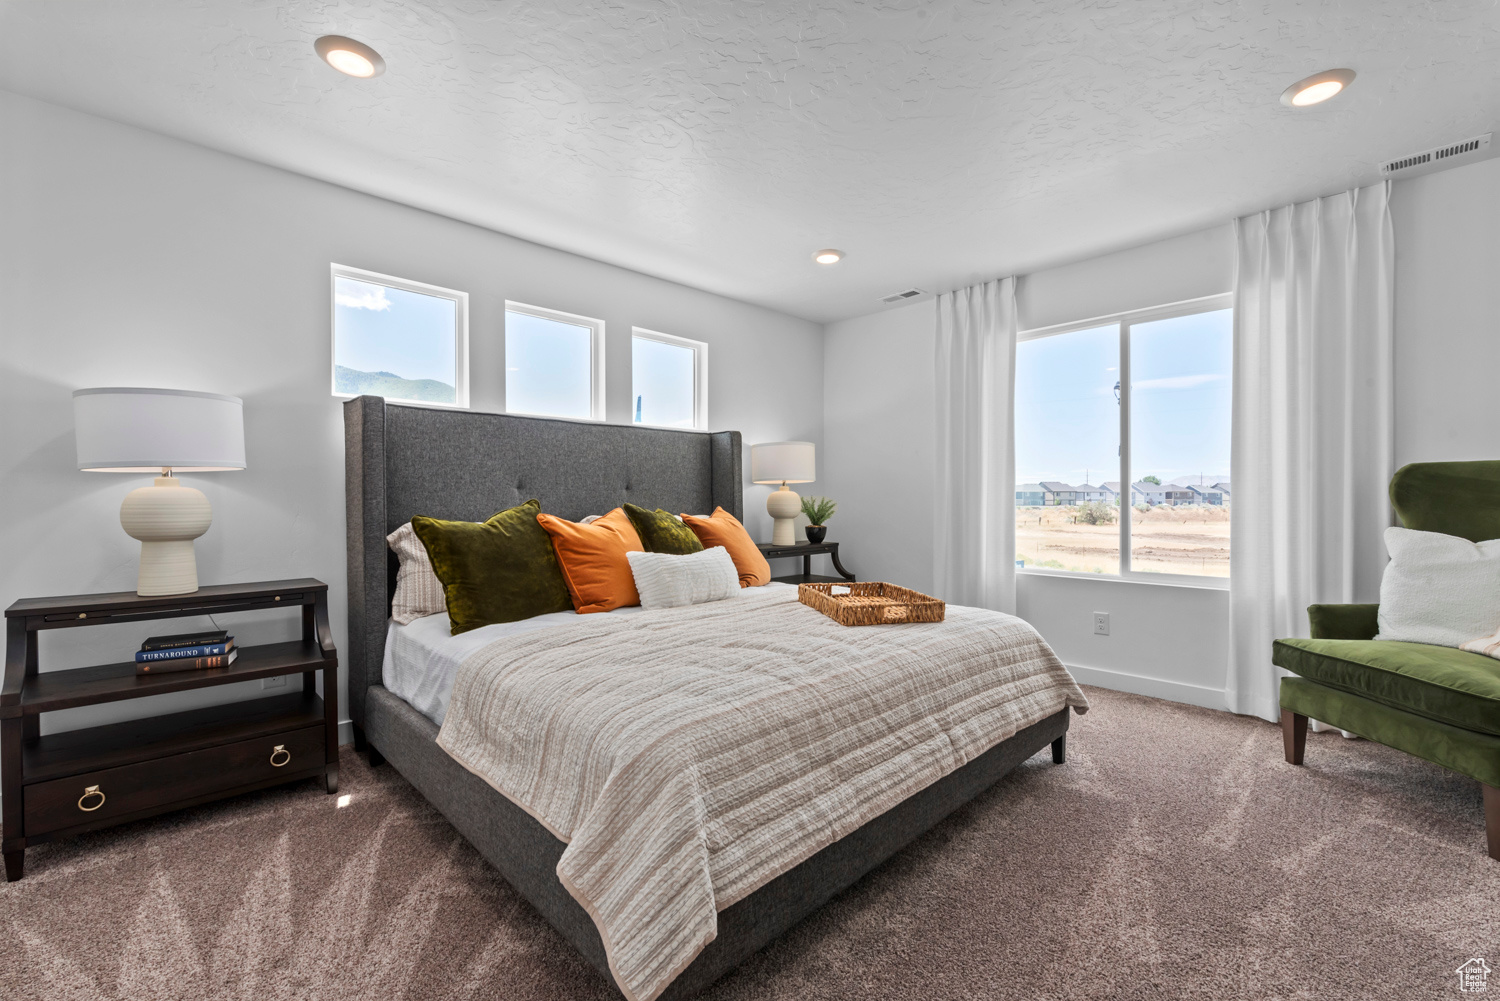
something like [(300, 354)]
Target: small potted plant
[(818, 511)]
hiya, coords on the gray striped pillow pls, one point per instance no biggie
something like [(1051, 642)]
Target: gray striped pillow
[(418, 590)]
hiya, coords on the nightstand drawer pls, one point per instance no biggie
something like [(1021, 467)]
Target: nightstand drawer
[(101, 795)]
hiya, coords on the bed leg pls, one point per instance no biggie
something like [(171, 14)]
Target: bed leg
[(1060, 750), (1293, 736), (362, 745), (1492, 819)]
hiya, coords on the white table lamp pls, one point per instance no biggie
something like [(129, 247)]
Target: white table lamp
[(783, 462), (166, 431)]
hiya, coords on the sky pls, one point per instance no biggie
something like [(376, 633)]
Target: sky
[(661, 377), (548, 367), (1068, 423), (383, 329)]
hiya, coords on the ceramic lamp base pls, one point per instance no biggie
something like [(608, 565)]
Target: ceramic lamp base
[(783, 506), (166, 517)]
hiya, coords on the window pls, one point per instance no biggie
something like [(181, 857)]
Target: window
[(399, 339), (1140, 400), (554, 363), (668, 380)]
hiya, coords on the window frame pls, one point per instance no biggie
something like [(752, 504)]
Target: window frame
[(700, 376), (460, 330), (596, 352), (1124, 320)]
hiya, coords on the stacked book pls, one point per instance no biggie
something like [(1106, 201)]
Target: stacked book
[(186, 652)]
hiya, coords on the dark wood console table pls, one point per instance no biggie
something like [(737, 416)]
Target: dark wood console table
[(62, 784), (806, 550)]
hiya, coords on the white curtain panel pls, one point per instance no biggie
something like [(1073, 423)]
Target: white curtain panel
[(1312, 425), (974, 550)]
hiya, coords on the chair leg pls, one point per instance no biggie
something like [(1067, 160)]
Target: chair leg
[(1060, 750), (1293, 736), (1492, 819)]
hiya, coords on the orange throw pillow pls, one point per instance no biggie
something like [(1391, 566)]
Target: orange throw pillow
[(593, 560), (724, 529)]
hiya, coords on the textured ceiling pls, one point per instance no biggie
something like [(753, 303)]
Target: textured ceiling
[(719, 143)]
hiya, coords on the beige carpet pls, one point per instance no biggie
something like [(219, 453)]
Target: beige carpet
[(1174, 856)]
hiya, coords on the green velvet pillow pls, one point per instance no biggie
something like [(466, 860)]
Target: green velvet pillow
[(662, 532), (502, 570)]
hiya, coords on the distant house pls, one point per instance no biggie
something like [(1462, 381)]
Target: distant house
[(1112, 489), (1223, 488), (1205, 495), (1030, 495), (1142, 492), (1059, 494), (1155, 494), (1087, 493), (1177, 494)]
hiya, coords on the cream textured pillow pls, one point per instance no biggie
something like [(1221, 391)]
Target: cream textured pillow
[(418, 591), (666, 580), (1439, 589)]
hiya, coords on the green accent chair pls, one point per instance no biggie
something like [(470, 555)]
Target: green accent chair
[(1439, 703)]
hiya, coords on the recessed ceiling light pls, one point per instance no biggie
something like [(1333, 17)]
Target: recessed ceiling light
[(1317, 88), (828, 256), (348, 56)]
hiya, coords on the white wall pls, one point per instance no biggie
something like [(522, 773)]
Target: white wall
[(878, 432), (1447, 228), (130, 259)]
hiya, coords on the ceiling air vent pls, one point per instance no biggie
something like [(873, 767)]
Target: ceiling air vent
[(1443, 156), (910, 293)]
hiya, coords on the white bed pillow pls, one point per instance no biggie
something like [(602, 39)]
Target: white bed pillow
[(419, 593), (666, 580), (1439, 589)]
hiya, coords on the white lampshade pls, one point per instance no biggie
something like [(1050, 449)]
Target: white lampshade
[(140, 430), (782, 462)]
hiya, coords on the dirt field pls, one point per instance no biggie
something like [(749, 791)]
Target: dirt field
[(1180, 540)]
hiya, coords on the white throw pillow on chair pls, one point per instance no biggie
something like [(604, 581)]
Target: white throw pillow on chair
[(1439, 589), (665, 580)]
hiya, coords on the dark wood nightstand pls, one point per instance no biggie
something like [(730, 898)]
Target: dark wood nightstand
[(806, 550), (80, 780)]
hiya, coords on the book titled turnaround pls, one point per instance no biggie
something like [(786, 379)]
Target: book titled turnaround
[(180, 652), (185, 663)]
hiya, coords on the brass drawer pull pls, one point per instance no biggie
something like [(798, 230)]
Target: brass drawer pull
[(90, 791), (280, 749)]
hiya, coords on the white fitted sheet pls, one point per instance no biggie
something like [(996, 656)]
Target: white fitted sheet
[(421, 658)]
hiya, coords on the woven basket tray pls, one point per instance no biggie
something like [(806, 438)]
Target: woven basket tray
[(871, 604)]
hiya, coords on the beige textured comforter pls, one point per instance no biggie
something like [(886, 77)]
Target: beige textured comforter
[(690, 755)]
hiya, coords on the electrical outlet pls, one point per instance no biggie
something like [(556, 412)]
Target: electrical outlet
[(274, 681), (1101, 623)]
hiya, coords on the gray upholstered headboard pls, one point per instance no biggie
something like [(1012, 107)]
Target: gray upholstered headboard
[(401, 461)]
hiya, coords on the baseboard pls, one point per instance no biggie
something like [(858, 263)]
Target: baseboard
[(346, 732), (1157, 688)]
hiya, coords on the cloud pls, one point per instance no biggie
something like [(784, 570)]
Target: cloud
[(360, 295), (1176, 382)]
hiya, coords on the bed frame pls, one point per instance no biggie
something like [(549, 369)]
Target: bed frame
[(402, 461)]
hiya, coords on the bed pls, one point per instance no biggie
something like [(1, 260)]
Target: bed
[(407, 460)]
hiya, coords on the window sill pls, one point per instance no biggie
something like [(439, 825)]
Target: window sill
[(406, 403), (664, 427), (1154, 580)]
